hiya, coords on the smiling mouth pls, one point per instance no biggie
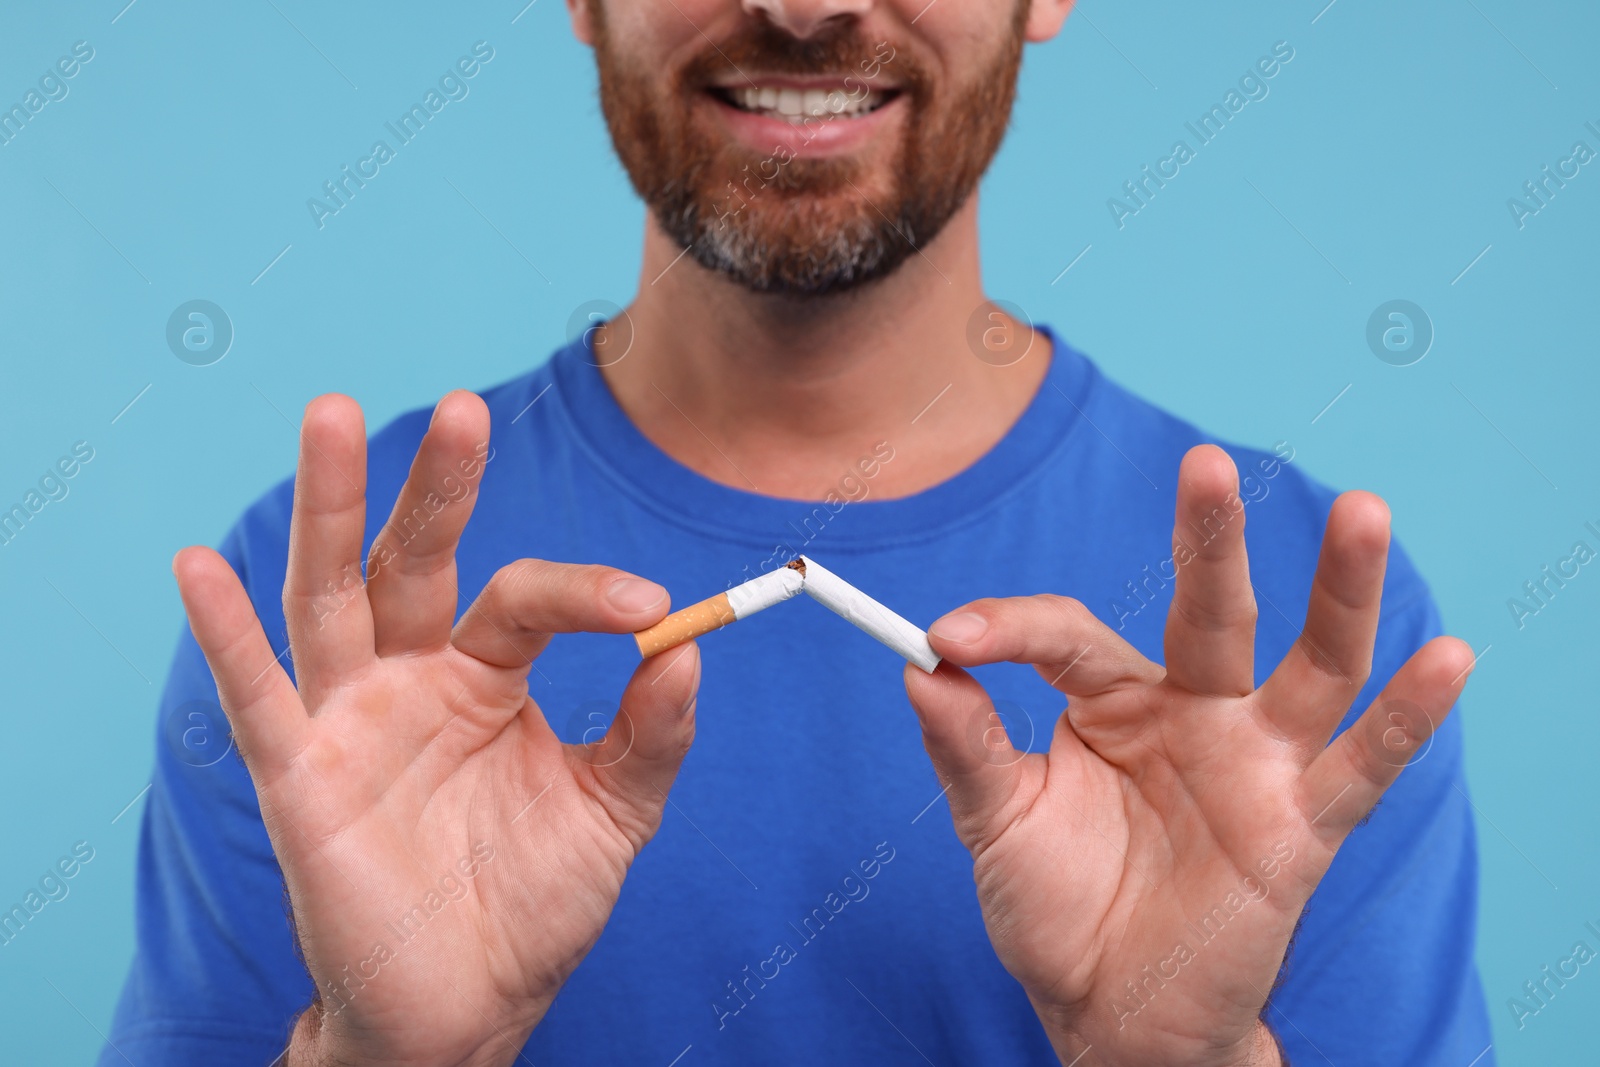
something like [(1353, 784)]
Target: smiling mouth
[(798, 106)]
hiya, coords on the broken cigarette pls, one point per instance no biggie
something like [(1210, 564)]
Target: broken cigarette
[(740, 602), (857, 608), (799, 575)]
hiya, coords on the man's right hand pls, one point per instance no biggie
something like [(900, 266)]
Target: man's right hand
[(449, 861)]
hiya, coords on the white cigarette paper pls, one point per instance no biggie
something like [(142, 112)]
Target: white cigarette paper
[(761, 593), (857, 608), (740, 602)]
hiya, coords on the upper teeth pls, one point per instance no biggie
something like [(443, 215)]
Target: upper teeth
[(799, 104)]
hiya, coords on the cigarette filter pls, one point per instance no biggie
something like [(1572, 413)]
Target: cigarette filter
[(856, 607), (740, 602)]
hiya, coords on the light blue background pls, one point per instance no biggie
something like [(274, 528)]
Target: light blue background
[(1379, 167)]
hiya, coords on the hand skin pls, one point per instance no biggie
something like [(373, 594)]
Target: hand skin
[(1166, 790), (411, 750)]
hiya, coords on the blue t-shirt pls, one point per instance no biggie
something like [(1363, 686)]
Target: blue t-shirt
[(806, 900)]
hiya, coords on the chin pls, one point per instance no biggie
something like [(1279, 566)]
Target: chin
[(807, 263)]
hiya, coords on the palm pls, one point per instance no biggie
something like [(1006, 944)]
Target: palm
[(378, 856), (430, 826), (1143, 878), (1137, 827)]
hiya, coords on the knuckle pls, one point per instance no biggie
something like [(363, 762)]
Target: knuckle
[(1371, 767), (544, 576), (509, 574), (1351, 675), (531, 592), (1213, 618), (521, 580), (1073, 613), (593, 578)]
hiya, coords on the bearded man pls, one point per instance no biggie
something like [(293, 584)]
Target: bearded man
[(451, 797)]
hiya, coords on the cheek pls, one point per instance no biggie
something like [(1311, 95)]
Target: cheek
[(665, 34), (956, 42), (709, 15)]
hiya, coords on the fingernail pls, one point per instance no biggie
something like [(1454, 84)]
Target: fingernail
[(964, 627), (634, 594)]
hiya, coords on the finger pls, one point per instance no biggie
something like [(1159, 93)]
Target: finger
[(1210, 639), (638, 759), (1072, 650), (968, 746), (1349, 777), (527, 601), (324, 593), (264, 711), (411, 567), (1312, 688)]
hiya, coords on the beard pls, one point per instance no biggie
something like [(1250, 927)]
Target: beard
[(804, 226)]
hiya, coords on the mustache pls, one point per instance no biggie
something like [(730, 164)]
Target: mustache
[(839, 48)]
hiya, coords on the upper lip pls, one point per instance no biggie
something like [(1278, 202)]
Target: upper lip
[(846, 80)]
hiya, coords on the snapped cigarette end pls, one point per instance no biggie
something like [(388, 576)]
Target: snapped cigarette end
[(859, 609)]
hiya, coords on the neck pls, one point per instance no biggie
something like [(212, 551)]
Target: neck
[(784, 396)]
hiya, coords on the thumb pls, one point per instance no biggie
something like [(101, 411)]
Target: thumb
[(971, 753), (638, 759)]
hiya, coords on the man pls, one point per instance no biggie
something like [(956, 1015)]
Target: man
[(818, 372)]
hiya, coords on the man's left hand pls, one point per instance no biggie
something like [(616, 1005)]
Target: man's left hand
[(1143, 878)]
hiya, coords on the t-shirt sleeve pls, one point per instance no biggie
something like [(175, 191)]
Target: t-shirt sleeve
[(1382, 969), (215, 979)]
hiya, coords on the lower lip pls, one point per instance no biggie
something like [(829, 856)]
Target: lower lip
[(827, 136)]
